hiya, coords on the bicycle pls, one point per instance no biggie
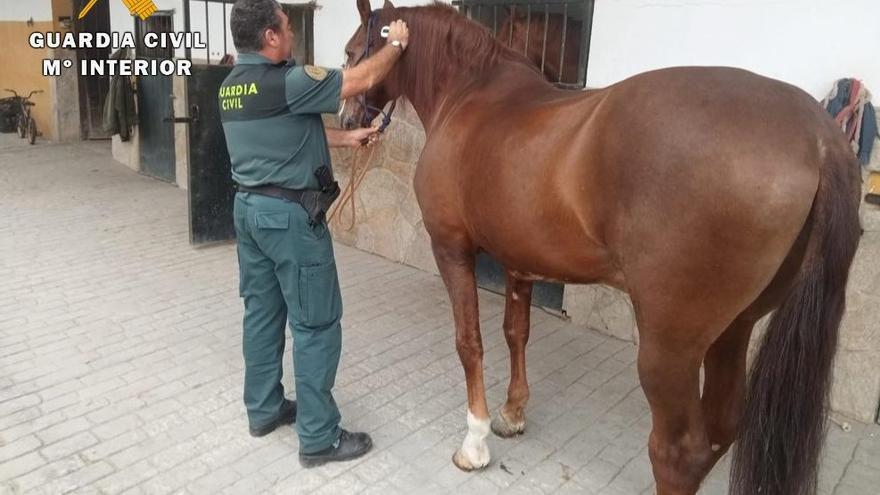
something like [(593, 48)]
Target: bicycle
[(27, 126)]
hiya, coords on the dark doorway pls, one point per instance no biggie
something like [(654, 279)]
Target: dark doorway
[(93, 89)]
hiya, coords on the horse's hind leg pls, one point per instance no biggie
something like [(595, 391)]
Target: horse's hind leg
[(669, 370), (725, 365), (725, 385), (511, 419), (456, 266)]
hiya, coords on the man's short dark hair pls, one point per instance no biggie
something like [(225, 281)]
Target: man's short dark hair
[(249, 20)]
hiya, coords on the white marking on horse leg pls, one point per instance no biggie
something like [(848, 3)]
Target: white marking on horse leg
[(474, 448)]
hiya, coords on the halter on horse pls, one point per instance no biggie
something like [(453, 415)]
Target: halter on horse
[(369, 111)]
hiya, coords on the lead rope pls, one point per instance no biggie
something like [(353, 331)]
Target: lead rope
[(359, 169), (348, 195), (355, 179)]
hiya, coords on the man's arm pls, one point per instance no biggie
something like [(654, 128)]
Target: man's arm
[(373, 70), (338, 138), (335, 137)]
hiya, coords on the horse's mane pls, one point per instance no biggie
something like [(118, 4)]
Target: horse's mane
[(445, 43)]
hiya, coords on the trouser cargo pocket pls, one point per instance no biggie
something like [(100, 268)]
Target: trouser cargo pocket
[(319, 294)]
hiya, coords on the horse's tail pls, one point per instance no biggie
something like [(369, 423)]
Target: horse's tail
[(784, 425)]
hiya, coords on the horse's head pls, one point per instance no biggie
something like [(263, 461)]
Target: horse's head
[(359, 111)]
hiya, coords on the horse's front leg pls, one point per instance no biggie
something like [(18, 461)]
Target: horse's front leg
[(511, 419), (456, 266)]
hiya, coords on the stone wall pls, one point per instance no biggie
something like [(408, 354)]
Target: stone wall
[(857, 370), (388, 223), (388, 220)]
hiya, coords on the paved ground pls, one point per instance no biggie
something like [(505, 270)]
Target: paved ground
[(120, 364)]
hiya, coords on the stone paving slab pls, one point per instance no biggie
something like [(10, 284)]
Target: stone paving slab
[(121, 368)]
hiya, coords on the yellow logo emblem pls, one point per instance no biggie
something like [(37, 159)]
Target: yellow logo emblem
[(316, 73), (140, 8)]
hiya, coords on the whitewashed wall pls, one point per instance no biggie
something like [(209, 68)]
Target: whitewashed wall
[(336, 20), (809, 43), (17, 10), (121, 20)]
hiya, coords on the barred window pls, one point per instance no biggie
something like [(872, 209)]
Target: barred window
[(554, 34), (160, 22)]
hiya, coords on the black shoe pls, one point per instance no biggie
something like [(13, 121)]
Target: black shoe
[(349, 446), (286, 417)]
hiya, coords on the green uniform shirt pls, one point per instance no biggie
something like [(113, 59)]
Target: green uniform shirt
[(271, 116)]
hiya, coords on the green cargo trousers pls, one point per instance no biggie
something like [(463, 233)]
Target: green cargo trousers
[(288, 272)]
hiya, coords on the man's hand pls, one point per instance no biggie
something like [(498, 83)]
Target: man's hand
[(362, 137), (398, 31), (364, 76), (338, 138)]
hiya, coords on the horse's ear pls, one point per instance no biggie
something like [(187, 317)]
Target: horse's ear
[(365, 11), (388, 5)]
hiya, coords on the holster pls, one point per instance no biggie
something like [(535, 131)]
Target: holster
[(317, 203)]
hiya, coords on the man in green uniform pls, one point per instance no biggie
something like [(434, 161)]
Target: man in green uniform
[(271, 111)]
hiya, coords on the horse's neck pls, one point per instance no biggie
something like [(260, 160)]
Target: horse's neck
[(448, 91), (436, 71), (428, 86)]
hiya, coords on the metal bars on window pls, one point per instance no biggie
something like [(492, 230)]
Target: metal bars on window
[(221, 23), (160, 22), (573, 18)]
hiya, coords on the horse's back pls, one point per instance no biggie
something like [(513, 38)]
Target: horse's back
[(718, 135)]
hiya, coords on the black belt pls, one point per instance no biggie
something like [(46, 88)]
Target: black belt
[(315, 202), (294, 195)]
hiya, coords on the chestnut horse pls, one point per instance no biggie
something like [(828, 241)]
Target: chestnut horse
[(712, 196)]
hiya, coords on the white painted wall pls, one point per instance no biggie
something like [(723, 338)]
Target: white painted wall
[(122, 20), (809, 43), (336, 21), (18, 10)]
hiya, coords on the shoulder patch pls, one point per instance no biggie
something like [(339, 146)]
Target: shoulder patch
[(316, 73)]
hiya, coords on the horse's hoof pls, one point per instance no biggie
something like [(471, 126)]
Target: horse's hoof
[(504, 429), (462, 463)]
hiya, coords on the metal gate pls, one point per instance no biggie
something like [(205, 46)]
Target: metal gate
[(211, 190), (155, 97), (492, 277)]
